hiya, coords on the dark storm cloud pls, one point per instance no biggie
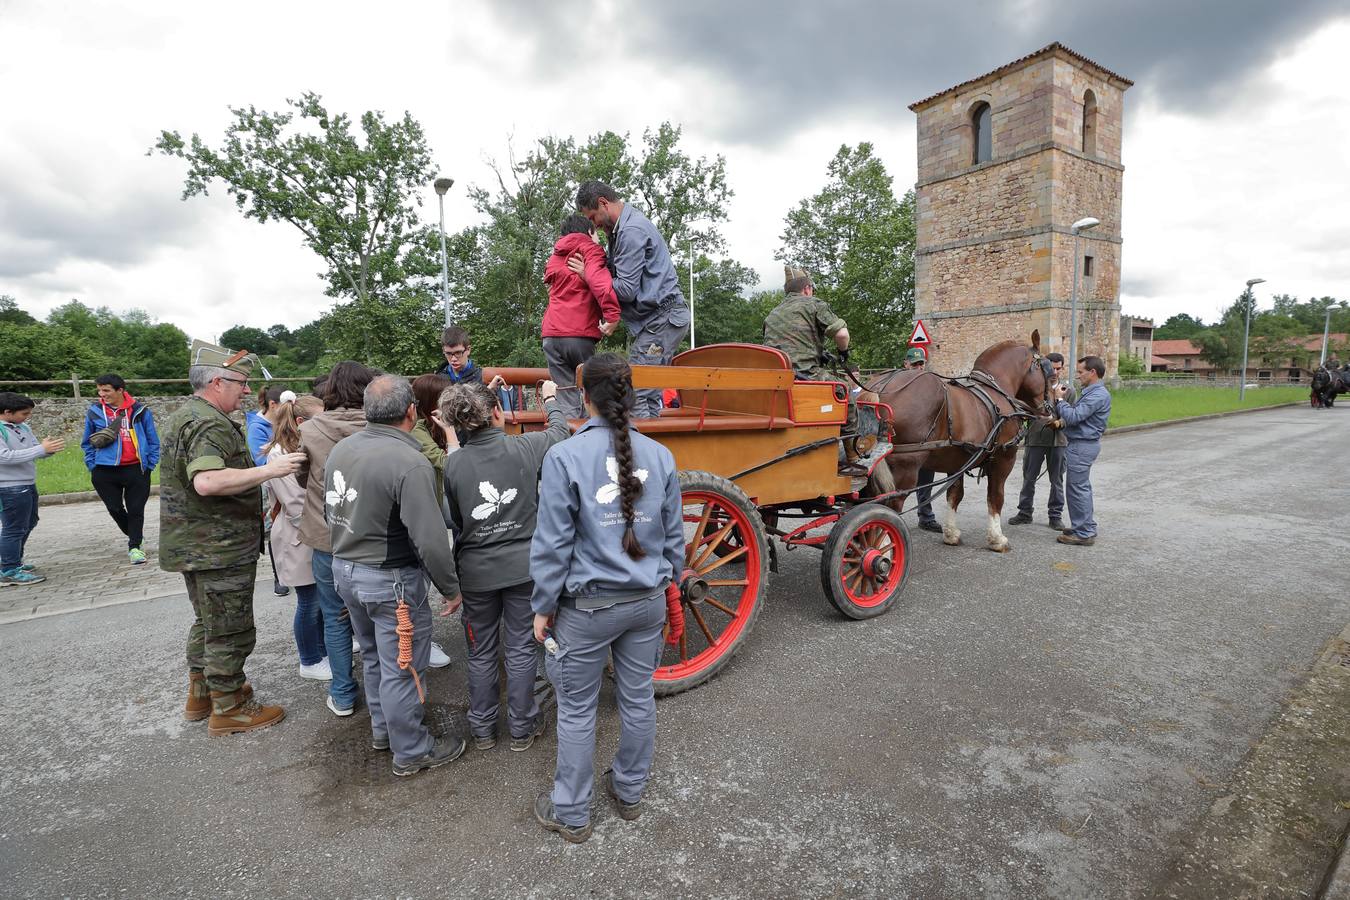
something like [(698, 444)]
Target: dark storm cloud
[(785, 65), (43, 225)]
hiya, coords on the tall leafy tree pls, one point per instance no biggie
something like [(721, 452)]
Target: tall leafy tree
[(352, 193), (497, 268), (1178, 327), (856, 238)]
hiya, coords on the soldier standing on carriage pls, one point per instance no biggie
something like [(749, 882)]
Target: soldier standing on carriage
[(800, 325)]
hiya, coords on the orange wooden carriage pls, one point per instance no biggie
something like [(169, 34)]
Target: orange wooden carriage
[(755, 448)]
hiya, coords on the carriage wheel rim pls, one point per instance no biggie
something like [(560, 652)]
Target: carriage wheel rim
[(873, 563), (739, 598)]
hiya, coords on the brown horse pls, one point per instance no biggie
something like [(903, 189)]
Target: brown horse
[(948, 421)]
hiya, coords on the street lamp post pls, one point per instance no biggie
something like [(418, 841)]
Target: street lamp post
[(442, 185), (689, 239), (1326, 333), (1083, 224), (1246, 333)]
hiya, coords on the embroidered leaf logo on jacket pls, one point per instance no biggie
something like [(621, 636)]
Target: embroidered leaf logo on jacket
[(609, 492), (495, 500), (340, 493)]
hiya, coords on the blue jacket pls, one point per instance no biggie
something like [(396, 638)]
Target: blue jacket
[(577, 548), (257, 434), (644, 275), (142, 431), (1085, 420), (508, 397)]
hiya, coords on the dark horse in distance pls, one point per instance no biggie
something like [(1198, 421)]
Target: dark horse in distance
[(1327, 382), (953, 424)]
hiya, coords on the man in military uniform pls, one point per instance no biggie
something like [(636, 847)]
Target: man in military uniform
[(1044, 445), (801, 325), (916, 360), (210, 520)]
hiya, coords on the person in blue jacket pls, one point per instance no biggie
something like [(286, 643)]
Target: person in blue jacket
[(259, 424), (1084, 423), (607, 549), (121, 449), (460, 367)]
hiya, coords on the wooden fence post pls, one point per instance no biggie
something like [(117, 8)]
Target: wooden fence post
[(75, 384)]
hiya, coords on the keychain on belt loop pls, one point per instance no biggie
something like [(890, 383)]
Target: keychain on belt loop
[(404, 629)]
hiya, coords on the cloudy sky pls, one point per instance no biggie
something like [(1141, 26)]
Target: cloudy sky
[(1235, 143)]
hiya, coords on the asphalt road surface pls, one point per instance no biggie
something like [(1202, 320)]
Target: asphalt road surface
[(1048, 722)]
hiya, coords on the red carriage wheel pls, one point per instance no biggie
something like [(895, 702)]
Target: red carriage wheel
[(723, 583), (866, 561)]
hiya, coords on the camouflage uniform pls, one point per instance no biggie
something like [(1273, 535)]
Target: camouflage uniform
[(213, 541), (802, 327)]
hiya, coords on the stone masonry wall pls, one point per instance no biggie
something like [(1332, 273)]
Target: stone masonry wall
[(64, 416), (995, 253)]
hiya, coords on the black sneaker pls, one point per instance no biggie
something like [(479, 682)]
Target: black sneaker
[(379, 742), (1057, 524), (931, 525), (446, 749), (1020, 519), (627, 811), (280, 589), (548, 817), (484, 741), (521, 744)]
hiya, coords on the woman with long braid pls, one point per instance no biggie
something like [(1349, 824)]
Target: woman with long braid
[(606, 556)]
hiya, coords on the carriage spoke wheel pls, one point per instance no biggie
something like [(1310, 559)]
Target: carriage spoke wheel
[(722, 584), (866, 561)]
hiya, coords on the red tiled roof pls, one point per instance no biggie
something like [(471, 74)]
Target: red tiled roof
[(1314, 342), (1175, 348), (1017, 63), (1159, 361)]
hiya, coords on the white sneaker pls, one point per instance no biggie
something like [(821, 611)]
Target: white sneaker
[(339, 711), (439, 659), (320, 671), (356, 648)]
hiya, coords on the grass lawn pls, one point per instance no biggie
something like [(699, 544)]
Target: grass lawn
[(65, 472), (1136, 406)]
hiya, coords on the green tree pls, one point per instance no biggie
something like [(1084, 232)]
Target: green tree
[(497, 268), (856, 238), (1178, 327), (10, 314), (353, 198), (723, 312), (249, 338)]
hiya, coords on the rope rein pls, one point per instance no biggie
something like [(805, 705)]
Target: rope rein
[(404, 629)]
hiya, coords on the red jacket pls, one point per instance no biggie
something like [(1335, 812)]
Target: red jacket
[(574, 307)]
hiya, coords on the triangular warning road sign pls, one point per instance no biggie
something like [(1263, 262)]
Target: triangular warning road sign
[(920, 336)]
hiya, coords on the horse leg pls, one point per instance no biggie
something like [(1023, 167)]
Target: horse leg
[(999, 467), (951, 535)]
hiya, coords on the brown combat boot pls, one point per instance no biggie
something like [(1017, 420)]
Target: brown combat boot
[(232, 713), (199, 697)]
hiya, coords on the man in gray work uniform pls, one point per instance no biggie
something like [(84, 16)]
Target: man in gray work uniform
[(388, 538), (645, 282), (1045, 446)]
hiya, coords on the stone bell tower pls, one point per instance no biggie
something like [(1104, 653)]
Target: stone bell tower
[(1008, 162)]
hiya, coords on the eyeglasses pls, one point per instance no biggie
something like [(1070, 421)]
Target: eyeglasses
[(235, 380), (455, 353)]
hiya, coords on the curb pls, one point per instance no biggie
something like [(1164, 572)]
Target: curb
[(1149, 426), (79, 497)]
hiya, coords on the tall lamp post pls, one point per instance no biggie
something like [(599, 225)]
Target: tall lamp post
[(1083, 224), (1326, 333), (689, 241), (1246, 333), (442, 185)]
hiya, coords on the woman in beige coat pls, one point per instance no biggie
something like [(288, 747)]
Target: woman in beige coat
[(292, 559)]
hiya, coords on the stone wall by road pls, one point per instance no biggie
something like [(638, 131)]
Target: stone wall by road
[(64, 416)]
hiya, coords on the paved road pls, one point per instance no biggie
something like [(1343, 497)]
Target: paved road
[(1049, 722)]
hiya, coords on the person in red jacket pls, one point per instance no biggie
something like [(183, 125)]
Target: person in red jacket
[(581, 309)]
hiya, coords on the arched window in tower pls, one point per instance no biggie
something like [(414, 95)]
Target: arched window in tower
[(1090, 123), (982, 134)]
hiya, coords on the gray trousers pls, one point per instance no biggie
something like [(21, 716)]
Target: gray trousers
[(564, 354), (655, 345), (631, 633), (1032, 460), (493, 619), (1078, 459), (370, 595)]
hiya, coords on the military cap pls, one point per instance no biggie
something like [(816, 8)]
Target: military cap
[(915, 354), (791, 272), (241, 361)]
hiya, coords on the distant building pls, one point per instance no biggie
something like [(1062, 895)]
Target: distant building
[(1136, 339), (1008, 162), (1182, 357)]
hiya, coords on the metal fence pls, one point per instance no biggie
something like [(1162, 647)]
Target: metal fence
[(74, 385)]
